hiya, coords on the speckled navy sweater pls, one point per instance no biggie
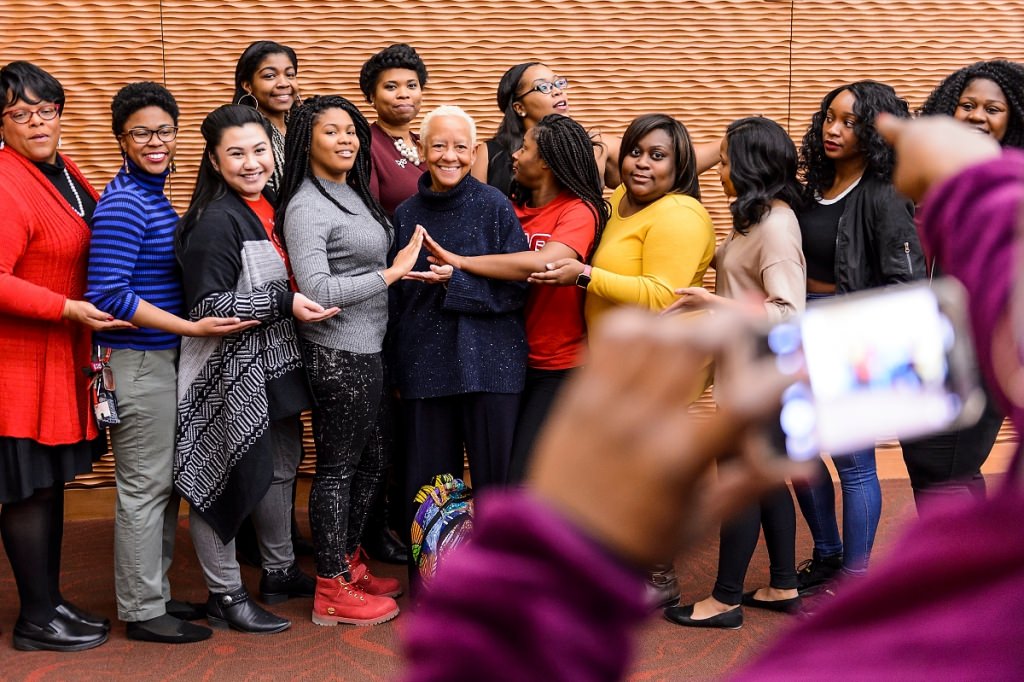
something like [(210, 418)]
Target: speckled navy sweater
[(467, 336)]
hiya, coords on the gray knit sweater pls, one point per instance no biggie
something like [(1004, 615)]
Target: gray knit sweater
[(337, 258)]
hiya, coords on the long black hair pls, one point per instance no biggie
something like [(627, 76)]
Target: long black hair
[(567, 149), (511, 129), (762, 168), (252, 57), (685, 181), (298, 168), (871, 98), (210, 184), (1009, 76)]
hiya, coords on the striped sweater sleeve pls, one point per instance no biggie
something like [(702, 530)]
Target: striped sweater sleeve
[(119, 228)]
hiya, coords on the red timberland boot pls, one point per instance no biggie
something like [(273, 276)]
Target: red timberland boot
[(337, 601), (372, 584)]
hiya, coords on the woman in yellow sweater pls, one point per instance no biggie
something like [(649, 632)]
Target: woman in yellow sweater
[(659, 239)]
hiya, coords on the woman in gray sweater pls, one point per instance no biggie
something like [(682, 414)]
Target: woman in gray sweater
[(337, 237)]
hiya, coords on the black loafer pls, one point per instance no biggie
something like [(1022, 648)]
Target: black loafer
[(72, 612), (185, 610), (60, 634), (683, 615), (236, 611), (167, 629), (279, 586), (791, 605)]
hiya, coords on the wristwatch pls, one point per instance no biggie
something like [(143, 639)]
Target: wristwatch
[(583, 279)]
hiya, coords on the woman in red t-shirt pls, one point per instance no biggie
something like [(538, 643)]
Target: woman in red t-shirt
[(556, 190)]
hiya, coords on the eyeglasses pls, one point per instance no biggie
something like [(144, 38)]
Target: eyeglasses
[(546, 87), (144, 135), (47, 112)]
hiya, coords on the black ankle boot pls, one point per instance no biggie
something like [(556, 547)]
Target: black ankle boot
[(381, 544), (237, 611), (279, 586)]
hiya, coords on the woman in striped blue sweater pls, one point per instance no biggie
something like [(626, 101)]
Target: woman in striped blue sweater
[(133, 270)]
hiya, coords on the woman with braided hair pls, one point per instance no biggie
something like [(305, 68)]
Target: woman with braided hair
[(989, 96), (556, 189), (338, 236)]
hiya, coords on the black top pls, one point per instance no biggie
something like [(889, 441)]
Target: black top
[(819, 227), (499, 167), (54, 172)]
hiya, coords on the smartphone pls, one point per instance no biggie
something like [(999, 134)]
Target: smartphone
[(896, 362)]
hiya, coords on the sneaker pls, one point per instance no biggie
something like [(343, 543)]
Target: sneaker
[(372, 584), (817, 571), (338, 601)]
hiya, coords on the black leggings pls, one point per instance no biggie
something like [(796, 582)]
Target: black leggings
[(350, 453), (33, 531), (539, 394), (738, 539)]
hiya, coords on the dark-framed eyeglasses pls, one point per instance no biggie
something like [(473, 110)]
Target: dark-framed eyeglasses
[(547, 87), (144, 135), (47, 112)]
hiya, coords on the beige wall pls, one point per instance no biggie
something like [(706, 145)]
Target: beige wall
[(704, 61)]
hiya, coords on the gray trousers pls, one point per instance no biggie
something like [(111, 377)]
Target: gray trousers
[(272, 518), (146, 514)]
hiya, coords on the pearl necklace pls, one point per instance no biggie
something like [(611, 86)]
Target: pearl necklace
[(74, 190), (410, 153)]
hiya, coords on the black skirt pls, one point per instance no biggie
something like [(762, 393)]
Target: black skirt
[(27, 466)]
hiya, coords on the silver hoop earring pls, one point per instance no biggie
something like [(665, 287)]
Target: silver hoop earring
[(1, 143), (255, 102)]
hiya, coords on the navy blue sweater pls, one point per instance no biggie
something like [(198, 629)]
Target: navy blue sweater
[(131, 256), (468, 336)]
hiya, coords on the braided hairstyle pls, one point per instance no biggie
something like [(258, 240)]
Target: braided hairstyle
[(511, 129), (871, 99), (298, 167), (567, 149), (1009, 76), (762, 168)]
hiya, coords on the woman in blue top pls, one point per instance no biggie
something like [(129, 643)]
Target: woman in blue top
[(133, 270)]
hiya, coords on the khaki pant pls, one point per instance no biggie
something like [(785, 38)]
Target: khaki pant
[(146, 514)]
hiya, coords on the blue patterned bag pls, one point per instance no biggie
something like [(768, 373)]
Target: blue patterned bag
[(443, 521)]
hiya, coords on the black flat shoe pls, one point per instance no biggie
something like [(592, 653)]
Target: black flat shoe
[(279, 586), (381, 544), (791, 605), (185, 610), (72, 612), (60, 634), (167, 629), (236, 611), (683, 615)]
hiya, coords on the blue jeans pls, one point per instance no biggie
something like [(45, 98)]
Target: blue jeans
[(862, 507)]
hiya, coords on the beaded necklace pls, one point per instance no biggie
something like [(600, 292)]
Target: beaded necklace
[(409, 153), (78, 198)]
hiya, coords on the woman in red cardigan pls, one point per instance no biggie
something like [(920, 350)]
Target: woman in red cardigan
[(46, 427)]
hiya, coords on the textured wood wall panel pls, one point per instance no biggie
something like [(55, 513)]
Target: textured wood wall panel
[(704, 61)]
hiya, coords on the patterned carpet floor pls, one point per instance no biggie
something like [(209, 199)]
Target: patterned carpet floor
[(308, 652)]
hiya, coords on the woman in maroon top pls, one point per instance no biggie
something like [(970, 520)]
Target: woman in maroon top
[(46, 427), (392, 82)]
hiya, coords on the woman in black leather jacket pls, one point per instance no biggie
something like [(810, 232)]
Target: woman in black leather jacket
[(857, 233)]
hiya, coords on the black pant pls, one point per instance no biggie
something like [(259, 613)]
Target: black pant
[(949, 464), (541, 390), (350, 453), (440, 430), (738, 539)]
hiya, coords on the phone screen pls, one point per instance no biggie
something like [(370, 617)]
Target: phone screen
[(886, 364)]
